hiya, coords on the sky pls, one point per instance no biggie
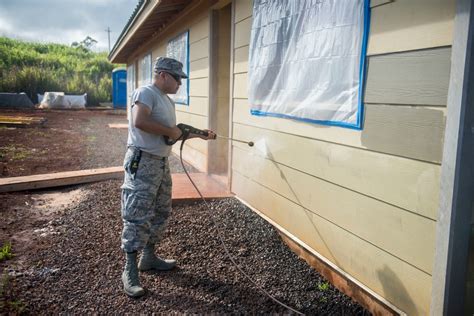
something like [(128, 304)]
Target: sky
[(65, 21)]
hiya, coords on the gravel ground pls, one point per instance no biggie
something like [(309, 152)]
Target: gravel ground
[(77, 263), (66, 241)]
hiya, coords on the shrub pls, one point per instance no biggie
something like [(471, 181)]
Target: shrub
[(36, 68)]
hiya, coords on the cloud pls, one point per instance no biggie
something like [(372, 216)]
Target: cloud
[(60, 21)]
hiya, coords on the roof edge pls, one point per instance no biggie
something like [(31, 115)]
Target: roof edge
[(131, 21)]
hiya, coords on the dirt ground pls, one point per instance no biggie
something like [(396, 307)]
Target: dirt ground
[(66, 241)]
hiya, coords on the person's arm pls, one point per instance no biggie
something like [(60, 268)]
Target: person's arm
[(142, 120)]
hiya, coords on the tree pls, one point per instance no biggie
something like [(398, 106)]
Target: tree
[(86, 43)]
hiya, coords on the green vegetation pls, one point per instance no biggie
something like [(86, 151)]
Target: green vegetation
[(37, 68), (6, 252), (323, 286), (13, 153), (8, 304)]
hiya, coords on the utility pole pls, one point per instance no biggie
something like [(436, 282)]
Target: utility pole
[(108, 34)]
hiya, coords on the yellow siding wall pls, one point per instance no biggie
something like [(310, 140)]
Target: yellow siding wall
[(366, 200), (417, 24)]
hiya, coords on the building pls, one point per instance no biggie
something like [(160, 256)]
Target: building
[(380, 210)]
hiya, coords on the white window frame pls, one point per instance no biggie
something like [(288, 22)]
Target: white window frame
[(146, 70), (178, 48)]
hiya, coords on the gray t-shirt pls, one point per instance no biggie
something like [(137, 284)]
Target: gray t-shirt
[(162, 111)]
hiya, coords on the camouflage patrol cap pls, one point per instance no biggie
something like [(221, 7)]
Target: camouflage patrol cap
[(169, 65)]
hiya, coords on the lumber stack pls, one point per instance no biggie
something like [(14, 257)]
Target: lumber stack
[(21, 121)]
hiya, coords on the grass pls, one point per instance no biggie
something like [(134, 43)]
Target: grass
[(14, 153), (37, 133), (8, 305), (6, 251), (91, 138), (323, 287)]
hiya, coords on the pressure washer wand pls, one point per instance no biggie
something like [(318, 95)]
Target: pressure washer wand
[(236, 140)]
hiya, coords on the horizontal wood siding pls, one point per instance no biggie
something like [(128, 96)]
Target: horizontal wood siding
[(418, 78), (416, 189), (397, 231), (366, 200), (197, 112), (404, 25), (397, 281), (401, 130)]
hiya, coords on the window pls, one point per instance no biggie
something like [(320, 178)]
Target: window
[(146, 72), (307, 60), (178, 48), (130, 80)]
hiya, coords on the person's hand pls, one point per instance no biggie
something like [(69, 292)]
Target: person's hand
[(210, 134), (175, 133)]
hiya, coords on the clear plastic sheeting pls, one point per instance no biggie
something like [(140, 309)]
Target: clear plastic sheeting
[(58, 100), (178, 48), (306, 60)]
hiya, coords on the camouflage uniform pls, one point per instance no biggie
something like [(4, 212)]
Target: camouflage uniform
[(146, 200)]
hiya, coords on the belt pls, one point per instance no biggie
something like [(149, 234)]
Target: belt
[(148, 155)]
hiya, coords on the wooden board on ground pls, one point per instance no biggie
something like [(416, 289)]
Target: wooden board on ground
[(50, 180), (183, 190), (118, 125), (21, 121)]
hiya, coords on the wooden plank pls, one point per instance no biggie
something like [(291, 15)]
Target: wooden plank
[(242, 33), (405, 235), (199, 49), (407, 131), (409, 184), (21, 121), (199, 30), (243, 10), (403, 285), (241, 63), (404, 25), (419, 77), (10, 118), (50, 180), (199, 87), (183, 190), (199, 68), (118, 125)]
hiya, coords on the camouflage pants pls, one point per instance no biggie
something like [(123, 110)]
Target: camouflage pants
[(146, 201)]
